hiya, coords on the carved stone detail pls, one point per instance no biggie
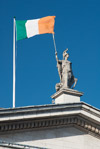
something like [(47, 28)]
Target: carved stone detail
[(49, 123)]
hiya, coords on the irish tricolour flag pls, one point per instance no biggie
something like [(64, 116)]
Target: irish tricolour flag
[(29, 28)]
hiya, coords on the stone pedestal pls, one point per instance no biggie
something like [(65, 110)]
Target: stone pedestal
[(67, 95)]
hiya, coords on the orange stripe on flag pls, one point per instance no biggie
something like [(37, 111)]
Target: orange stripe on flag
[(46, 25)]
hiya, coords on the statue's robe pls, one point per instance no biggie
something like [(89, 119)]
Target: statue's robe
[(65, 73)]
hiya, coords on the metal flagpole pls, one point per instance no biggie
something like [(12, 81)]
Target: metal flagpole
[(14, 63), (54, 43)]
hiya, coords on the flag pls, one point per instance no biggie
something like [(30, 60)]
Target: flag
[(29, 28)]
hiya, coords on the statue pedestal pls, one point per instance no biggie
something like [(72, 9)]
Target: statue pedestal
[(67, 95)]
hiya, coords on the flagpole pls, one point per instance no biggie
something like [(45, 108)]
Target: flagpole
[(54, 43), (14, 63)]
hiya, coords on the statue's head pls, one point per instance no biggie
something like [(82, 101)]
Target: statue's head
[(65, 54)]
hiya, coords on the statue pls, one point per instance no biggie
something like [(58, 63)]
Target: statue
[(67, 79)]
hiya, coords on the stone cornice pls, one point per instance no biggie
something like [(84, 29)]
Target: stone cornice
[(47, 108), (52, 122), (80, 115), (50, 110)]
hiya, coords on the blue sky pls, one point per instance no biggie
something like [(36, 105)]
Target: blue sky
[(77, 27)]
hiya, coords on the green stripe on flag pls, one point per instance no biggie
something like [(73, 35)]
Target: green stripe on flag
[(21, 30)]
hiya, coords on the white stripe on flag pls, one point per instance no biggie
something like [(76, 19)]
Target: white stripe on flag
[(32, 28)]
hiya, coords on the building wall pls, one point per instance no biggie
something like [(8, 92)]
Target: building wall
[(57, 138)]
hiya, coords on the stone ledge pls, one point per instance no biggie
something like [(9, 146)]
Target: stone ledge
[(34, 109)]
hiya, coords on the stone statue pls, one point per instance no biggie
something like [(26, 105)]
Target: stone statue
[(67, 79)]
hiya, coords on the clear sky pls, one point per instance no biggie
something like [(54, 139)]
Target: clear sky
[(77, 27)]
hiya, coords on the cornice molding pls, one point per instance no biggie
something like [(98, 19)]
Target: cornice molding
[(52, 122), (50, 110), (79, 115)]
